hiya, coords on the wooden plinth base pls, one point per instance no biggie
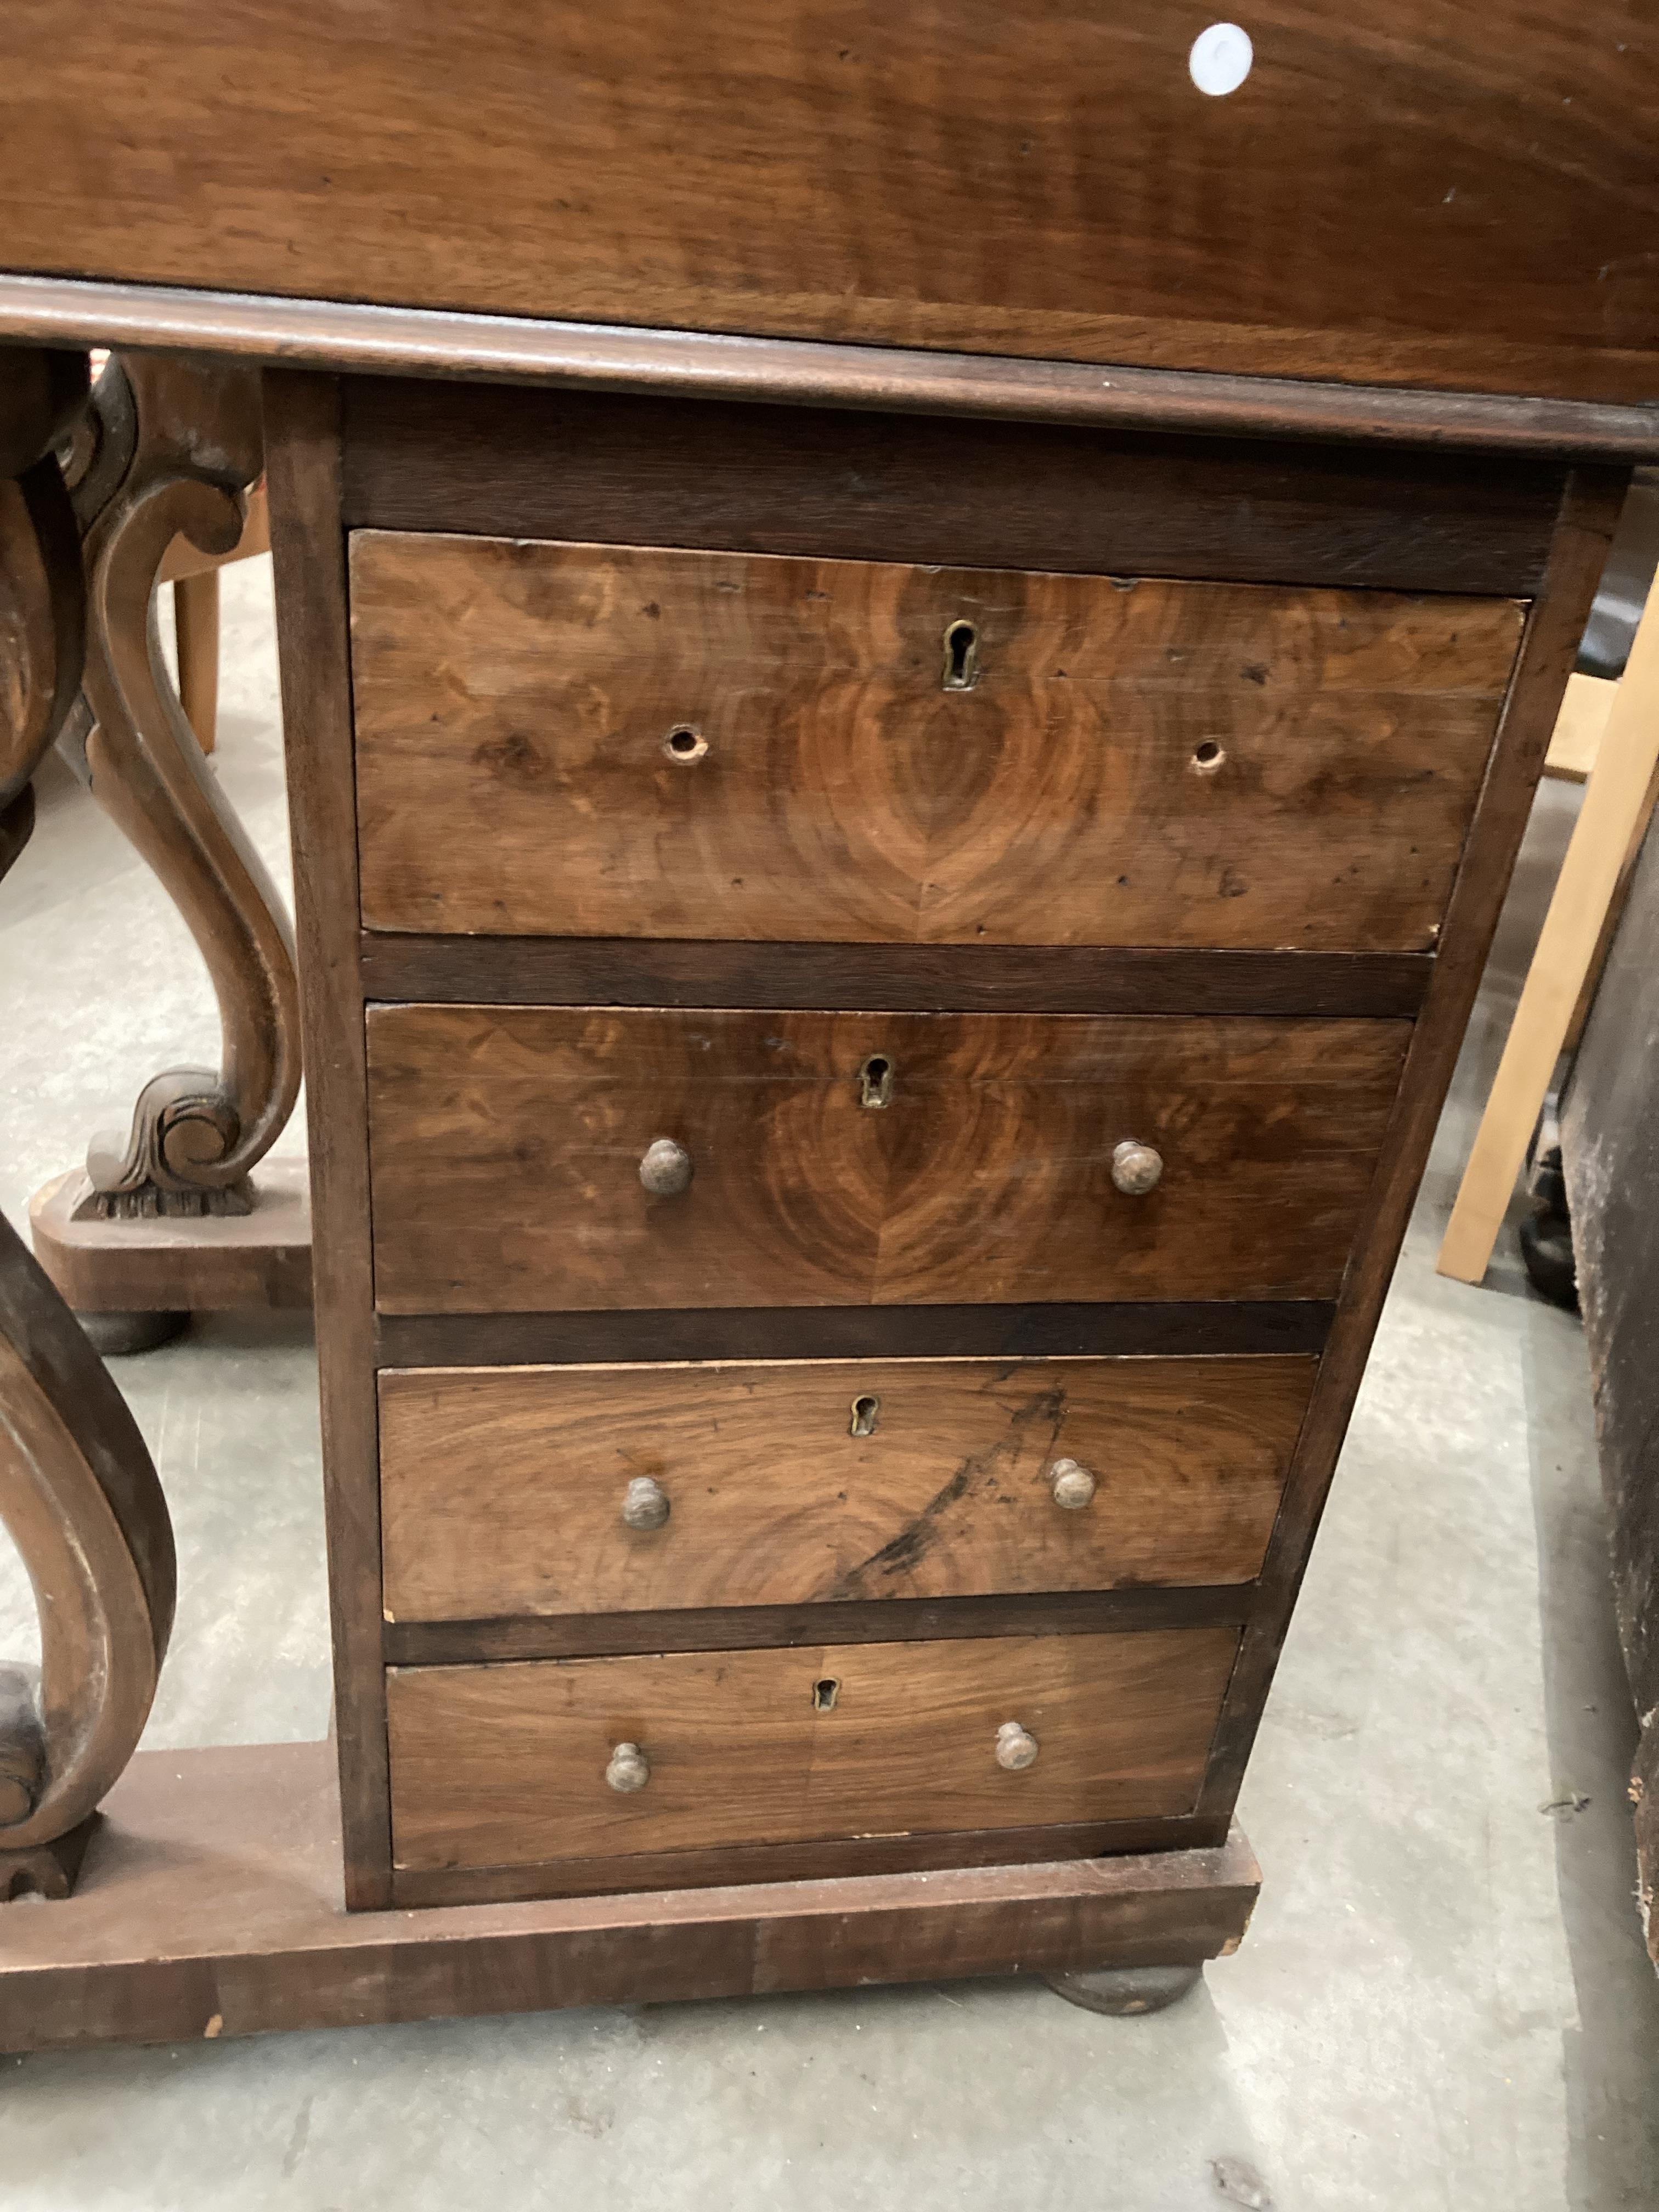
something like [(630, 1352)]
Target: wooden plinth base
[(258, 1260), (209, 1904)]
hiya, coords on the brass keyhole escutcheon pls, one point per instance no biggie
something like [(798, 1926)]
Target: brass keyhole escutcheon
[(867, 1412), (824, 1694), (876, 1080), (961, 656)]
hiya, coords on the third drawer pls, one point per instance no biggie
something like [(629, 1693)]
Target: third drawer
[(619, 1489)]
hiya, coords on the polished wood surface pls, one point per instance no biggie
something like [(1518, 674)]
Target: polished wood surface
[(721, 746), (333, 335), (506, 1143), (1417, 196), (824, 482), (494, 1765), (212, 1909), (504, 1492)]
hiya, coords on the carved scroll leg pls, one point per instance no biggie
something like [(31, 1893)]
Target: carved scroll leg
[(178, 441), (78, 1493)]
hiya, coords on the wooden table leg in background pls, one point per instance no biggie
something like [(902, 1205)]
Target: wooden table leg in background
[(1618, 800), (166, 1219)]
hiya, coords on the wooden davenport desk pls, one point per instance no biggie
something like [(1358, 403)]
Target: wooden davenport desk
[(914, 654)]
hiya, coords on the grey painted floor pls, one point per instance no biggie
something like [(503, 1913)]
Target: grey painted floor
[(1443, 2000)]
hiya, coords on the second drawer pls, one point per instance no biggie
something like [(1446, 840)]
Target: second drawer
[(547, 1491), (534, 1158)]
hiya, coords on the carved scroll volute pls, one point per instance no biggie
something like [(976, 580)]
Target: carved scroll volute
[(82, 1501), (78, 1493), (196, 1132)]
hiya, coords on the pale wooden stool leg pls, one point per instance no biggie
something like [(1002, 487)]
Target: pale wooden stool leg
[(195, 613), (1615, 799)]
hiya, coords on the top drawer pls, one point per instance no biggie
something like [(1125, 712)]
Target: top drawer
[(624, 741)]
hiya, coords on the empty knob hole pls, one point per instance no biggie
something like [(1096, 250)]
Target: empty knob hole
[(876, 1080), (866, 1413), (1208, 755), (961, 657), (685, 745), (824, 1694)]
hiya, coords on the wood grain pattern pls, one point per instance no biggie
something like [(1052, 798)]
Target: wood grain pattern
[(302, 415), (1120, 763), (501, 1489), (1470, 194), (216, 1906), (825, 482), (496, 1765), (505, 1144), (615, 971)]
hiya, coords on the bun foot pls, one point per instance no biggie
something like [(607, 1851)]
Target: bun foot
[(1122, 1991), (113, 1336)]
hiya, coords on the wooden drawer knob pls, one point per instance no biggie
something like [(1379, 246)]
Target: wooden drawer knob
[(666, 1170), (1015, 1746), (629, 1769), (645, 1503), (1074, 1484), (1136, 1168)]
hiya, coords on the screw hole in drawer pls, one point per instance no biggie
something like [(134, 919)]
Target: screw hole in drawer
[(685, 745), (961, 656), (867, 1412), (876, 1080), (824, 1694), (1208, 756)]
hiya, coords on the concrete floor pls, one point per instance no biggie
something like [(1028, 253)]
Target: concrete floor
[(1443, 2000)]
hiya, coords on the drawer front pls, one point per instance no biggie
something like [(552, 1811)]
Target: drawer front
[(619, 741), (513, 1491), (508, 1766), (851, 1159)]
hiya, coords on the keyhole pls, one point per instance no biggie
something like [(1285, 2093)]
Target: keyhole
[(824, 1694), (961, 657), (876, 1080), (865, 1413)]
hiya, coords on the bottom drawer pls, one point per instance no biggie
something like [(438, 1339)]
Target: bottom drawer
[(516, 1764)]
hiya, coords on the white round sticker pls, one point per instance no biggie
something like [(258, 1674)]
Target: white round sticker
[(1220, 59)]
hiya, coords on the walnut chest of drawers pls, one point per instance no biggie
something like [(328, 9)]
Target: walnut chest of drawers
[(878, 980)]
